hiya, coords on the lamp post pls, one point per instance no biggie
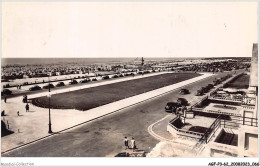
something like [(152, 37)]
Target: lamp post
[(49, 95)]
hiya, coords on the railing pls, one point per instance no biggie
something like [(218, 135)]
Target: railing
[(212, 129), (233, 123), (225, 98), (248, 107), (222, 113), (242, 121)]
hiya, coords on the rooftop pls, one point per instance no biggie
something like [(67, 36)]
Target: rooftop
[(224, 109)]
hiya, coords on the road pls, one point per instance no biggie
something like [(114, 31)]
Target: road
[(105, 137)]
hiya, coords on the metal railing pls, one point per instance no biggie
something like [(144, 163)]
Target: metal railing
[(248, 107), (211, 130), (225, 98)]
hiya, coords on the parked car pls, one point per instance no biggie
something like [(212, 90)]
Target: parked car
[(85, 80), (60, 84), (48, 86), (205, 89), (121, 75), (184, 91), (171, 107), (105, 77), (182, 101), (216, 82), (6, 92), (25, 83), (6, 86), (94, 79), (36, 87), (115, 76), (73, 82), (210, 86), (199, 92)]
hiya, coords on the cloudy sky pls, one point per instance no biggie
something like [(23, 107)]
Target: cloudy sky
[(128, 29)]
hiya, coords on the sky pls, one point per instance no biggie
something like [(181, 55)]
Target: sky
[(128, 29)]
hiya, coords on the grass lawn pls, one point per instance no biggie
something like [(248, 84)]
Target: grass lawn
[(86, 99), (241, 82)]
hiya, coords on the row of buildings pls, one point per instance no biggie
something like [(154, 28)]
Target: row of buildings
[(233, 117)]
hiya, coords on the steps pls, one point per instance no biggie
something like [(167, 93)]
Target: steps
[(228, 137)]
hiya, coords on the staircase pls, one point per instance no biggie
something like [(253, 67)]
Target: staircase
[(228, 137)]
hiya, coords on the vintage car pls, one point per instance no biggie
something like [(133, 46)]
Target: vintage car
[(60, 84), (48, 86), (199, 92), (36, 87), (172, 107), (210, 86), (73, 82), (25, 83), (105, 77), (115, 76), (6, 92), (182, 102), (184, 91), (85, 80)]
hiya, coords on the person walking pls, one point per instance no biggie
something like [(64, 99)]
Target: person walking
[(133, 144), (126, 143), (27, 107), (25, 98), (5, 99), (18, 113)]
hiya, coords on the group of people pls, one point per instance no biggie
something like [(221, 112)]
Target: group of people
[(19, 86), (133, 145)]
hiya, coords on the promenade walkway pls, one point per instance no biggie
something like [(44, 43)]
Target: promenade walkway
[(33, 125)]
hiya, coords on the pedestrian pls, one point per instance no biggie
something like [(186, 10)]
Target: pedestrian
[(17, 86), (3, 113), (133, 144), (26, 98), (20, 86), (126, 143), (18, 113), (5, 99), (27, 107)]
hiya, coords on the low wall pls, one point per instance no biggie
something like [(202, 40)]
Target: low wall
[(176, 131)]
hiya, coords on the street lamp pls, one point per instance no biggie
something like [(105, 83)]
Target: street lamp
[(49, 95)]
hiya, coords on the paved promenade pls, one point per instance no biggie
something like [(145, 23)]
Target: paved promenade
[(34, 124)]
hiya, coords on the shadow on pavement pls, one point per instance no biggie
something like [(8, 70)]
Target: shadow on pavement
[(4, 130)]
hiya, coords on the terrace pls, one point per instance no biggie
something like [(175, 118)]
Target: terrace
[(224, 109), (195, 128)]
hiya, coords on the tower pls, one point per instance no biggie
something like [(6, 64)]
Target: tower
[(142, 61)]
